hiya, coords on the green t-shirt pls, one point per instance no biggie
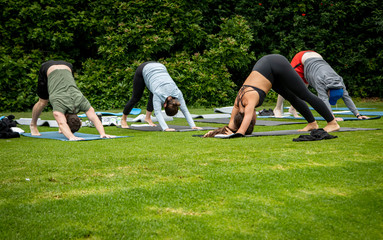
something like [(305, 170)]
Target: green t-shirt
[(64, 94)]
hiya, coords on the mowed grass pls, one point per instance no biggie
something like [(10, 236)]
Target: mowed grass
[(163, 185)]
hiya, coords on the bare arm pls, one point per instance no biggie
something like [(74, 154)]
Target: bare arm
[(91, 114), (61, 120), (233, 113), (249, 112)]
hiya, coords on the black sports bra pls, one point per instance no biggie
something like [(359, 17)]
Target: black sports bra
[(242, 91)]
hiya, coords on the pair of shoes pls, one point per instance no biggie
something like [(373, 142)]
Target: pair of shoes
[(266, 112)]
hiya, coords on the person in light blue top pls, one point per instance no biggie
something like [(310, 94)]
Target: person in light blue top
[(163, 92)]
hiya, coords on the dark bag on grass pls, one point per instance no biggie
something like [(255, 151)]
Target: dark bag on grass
[(266, 112), (5, 127), (315, 135)]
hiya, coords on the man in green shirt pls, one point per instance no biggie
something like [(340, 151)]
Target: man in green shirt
[(56, 84)]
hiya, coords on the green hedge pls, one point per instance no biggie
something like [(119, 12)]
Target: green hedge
[(208, 46)]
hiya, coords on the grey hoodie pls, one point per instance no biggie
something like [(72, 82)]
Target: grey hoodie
[(322, 77)]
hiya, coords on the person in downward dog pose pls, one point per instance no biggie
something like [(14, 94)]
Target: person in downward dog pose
[(163, 92), (316, 72), (273, 72), (56, 85)]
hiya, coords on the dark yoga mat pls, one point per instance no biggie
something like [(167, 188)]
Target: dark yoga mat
[(176, 127), (296, 132), (338, 108), (61, 137), (293, 132), (258, 122)]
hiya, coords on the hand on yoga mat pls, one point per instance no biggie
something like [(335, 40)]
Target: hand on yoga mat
[(107, 136), (198, 128), (362, 117), (338, 119), (74, 138)]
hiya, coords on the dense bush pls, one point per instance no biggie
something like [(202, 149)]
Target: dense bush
[(209, 46)]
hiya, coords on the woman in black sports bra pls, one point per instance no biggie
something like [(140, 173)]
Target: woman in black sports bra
[(274, 72)]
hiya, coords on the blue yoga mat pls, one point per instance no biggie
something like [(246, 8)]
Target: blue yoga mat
[(61, 137), (135, 111), (321, 118), (365, 113)]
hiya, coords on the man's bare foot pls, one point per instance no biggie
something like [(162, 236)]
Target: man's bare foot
[(293, 112), (277, 113), (149, 121), (34, 130), (332, 126), (309, 127)]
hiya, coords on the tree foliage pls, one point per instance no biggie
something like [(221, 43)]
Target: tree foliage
[(208, 46)]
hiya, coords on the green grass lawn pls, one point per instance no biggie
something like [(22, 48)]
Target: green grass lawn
[(166, 185)]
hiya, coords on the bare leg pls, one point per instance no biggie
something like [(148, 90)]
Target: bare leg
[(36, 111), (148, 118), (292, 109), (124, 124), (293, 112), (278, 110)]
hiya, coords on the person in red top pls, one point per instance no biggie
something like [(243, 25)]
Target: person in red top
[(297, 64), (317, 73)]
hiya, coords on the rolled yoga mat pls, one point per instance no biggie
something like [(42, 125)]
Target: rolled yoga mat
[(147, 127), (135, 111), (257, 123)]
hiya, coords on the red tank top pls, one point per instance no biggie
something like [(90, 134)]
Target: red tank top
[(296, 63)]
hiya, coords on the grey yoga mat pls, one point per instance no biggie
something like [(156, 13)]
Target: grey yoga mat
[(146, 127)]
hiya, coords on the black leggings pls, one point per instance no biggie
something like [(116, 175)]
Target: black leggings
[(286, 82), (138, 91)]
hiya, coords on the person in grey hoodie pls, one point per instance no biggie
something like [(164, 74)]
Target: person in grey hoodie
[(321, 76), (163, 92)]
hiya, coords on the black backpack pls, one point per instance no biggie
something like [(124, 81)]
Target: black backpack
[(5, 127)]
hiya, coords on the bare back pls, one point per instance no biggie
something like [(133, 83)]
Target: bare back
[(308, 55), (258, 80), (55, 67)]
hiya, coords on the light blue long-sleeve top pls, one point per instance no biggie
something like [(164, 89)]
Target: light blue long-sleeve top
[(159, 82)]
